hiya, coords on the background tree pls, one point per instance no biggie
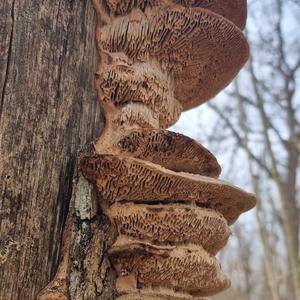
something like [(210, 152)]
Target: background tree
[(255, 126)]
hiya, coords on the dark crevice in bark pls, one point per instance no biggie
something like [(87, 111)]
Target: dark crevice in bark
[(67, 176), (48, 112), (91, 274), (88, 234), (12, 14)]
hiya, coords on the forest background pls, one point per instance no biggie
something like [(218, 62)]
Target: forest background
[(253, 128)]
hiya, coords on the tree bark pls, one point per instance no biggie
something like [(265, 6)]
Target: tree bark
[(48, 111)]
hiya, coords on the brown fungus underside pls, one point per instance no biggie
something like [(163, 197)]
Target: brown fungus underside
[(159, 188)]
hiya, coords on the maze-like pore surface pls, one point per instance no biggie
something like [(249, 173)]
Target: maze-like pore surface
[(166, 148), (201, 50), (187, 269), (124, 179), (159, 294), (233, 10), (159, 188), (141, 83), (172, 225)]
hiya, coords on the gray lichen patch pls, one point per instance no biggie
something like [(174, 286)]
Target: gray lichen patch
[(84, 201), (91, 274)]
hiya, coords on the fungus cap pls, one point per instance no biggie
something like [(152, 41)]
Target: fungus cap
[(123, 82), (187, 269), (125, 179), (233, 10), (171, 224), (171, 150), (156, 294), (202, 50)]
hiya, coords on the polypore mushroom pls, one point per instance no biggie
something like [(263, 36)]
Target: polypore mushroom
[(190, 270), (233, 10), (202, 50), (122, 83), (166, 148), (157, 294), (124, 179), (171, 224)]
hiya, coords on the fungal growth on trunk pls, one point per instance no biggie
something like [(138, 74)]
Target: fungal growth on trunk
[(160, 189)]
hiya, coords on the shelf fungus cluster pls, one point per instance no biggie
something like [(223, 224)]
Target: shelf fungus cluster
[(161, 189)]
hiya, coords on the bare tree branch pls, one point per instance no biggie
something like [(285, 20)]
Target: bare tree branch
[(240, 140)]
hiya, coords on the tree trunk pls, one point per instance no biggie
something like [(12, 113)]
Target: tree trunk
[(267, 256), (48, 111)]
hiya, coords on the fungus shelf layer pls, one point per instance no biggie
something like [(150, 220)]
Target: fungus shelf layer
[(123, 179), (159, 188), (171, 224), (190, 270), (166, 148), (233, 10), (158, 294), (201, 50)]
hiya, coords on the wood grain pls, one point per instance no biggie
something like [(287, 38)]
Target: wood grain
[(48, 111)]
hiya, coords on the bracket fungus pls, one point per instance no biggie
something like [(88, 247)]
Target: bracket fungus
[(161, 189), (233, 10), (200, 49)]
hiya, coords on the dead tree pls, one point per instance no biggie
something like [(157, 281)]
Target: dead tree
[(143, 198)]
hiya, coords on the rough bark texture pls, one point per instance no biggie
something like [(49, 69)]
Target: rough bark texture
[(48, 111)]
